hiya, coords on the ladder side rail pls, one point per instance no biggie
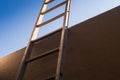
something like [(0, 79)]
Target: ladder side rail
[(39, 20), (22, 68), (59, 70)]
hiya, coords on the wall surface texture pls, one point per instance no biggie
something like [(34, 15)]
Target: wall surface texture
[(93, 52)]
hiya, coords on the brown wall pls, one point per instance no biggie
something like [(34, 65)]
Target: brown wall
[(93, 52)]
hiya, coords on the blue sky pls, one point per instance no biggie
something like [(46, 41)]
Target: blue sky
[(17, 18)]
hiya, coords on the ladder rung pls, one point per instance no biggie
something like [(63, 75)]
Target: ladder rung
[(50, 78), (46, 35), (50, 20), (54, 7), (43, 55), (49, 1)]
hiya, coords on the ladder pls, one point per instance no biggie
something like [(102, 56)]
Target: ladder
[(33, 38)]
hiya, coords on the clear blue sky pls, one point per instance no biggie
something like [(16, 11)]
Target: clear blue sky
[(17, 18)]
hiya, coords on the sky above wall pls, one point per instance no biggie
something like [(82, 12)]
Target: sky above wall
[(17, 19)]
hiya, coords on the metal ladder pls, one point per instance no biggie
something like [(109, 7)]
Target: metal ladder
[(33, 38)]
